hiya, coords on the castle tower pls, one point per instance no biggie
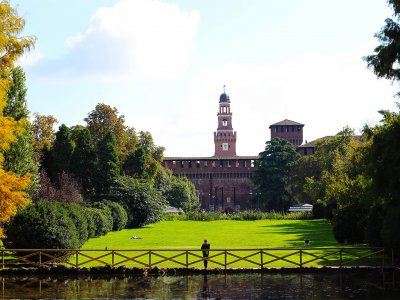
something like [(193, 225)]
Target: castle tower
[(288, 130), (224, 137)]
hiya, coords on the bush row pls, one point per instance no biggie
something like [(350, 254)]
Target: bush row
[(247, 215), (55, 225)]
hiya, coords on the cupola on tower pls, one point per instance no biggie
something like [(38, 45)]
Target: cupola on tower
[(224, 137)]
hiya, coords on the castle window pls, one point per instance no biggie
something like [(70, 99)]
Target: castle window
[(252, 163), (224, 122), (244, 163), (213, 164), (198, 164), (292, 128), (182, 163), (174, 162), (276, 128), (221, 163), (286, 128), (298, 128), (205, 164), (229, 163), (190, 164), (237, 164)]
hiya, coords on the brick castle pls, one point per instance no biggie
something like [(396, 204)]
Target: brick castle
[(223, 180)]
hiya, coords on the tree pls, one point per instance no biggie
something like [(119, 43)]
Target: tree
[(143, 203), (273, 173), (104, 119), (108, 167), (182, 194), (44, 134), (12, 46), (61, 152), (386, 58), (16, 106), (20, 157), (84, 162), (141, 164), (384, 168)]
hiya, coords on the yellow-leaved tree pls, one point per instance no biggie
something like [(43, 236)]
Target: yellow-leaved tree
[(12, 46)]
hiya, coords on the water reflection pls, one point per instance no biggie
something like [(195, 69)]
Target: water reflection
[(338, 285)]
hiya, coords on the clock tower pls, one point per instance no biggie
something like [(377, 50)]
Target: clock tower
[(224, 137)]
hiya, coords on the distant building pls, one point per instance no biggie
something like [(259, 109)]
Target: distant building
[(288, 130), (223, 180)]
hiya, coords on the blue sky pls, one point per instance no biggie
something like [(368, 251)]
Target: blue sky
[(163, 65)]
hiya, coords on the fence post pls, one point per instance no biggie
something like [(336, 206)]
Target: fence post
[(301, 258), (149, 259), (76, 258), (112, 258), (261, 259), (341, 257), (225, 258), (2, 259), (187, 259)]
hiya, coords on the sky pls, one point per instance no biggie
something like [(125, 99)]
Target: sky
[(163, 65)]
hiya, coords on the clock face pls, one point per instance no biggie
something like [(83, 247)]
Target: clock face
[(225, 146)]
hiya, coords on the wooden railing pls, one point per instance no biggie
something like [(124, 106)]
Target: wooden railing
[(177, 258)]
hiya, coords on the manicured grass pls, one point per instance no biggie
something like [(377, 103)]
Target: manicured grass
[(187, 235), (221, 235)]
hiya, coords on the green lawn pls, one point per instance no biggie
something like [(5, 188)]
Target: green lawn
[(220, 234), (186, 235)]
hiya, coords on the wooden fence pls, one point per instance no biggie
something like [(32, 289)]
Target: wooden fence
[(177, 258)]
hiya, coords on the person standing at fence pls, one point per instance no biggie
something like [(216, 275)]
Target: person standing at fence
[(205, 247)]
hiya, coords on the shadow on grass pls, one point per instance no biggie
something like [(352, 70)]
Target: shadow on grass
[(318, 232)]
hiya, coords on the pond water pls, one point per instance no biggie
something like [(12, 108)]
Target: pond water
[(331, 285)]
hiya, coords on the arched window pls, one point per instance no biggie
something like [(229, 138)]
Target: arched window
[(224, 122)]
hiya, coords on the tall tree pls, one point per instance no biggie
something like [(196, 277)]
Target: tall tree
[(12, 46), (105, 118), (386, 58), (83, 162), (61, 152), (16, 106), (108, 162), (274, 168), (44, 134)]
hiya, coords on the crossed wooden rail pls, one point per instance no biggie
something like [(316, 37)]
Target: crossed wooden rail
[(190, 258)]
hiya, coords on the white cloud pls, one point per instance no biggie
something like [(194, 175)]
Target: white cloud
[(148, 39), (30, 58)]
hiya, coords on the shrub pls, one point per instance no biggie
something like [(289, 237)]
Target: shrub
[(106, 211), (247, 215), (319, 209), (43, 225), (119, 215), (99, 224), (74, 211), (143, 203)]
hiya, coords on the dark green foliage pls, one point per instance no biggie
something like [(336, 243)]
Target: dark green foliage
[(98, 222), (61, 152), (182, 194), (83, 162), (143, 203), (76, 213), (272, 177), (108, 167), (319, 209), (16, 106), (42, 225), (349, 223), (391, 227), (119, 215), (247, 215), (374, 225), (106, 211), (140, 164)]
